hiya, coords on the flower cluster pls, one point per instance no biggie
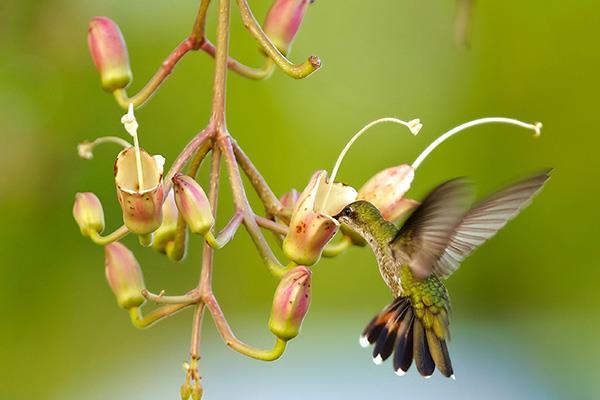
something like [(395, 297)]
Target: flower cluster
[(164, 208)]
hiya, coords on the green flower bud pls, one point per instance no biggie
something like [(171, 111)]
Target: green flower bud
[(88, 213), (290, 303), (185, 391), (124, 275), (193, 204), (109, 53), (166, 232)]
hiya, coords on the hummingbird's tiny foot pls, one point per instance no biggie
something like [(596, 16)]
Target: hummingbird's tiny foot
[(399, 372), (453, 377), (378, 360), (363, 341)]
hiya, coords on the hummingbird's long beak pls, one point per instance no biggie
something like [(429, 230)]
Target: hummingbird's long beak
[(337, 217)]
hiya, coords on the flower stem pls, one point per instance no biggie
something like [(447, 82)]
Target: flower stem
[(139, 321), (118, 234), (266, 195), (536, 127), (297, 71), (154, 83), (241, 202), (226, 234), (221, 57), (337, 248), (257, 74), (232, 341)]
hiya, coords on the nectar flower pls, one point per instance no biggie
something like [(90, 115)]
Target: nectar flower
[(141, 204), (124, 275), (193, 204), (290, 303), (88, 213), (312, 225), (283, 22), (386, 190), (109, 53)]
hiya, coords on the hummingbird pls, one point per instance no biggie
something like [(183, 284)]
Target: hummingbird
[(415, 259)]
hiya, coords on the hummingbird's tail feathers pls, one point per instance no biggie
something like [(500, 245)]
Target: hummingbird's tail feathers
[(397, 329)]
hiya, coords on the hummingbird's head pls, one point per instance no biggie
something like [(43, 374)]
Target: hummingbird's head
[(361, 216)]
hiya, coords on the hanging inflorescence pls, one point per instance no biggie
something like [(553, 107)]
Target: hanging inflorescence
[(163, 209)]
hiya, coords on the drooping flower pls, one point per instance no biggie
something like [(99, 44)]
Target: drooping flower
[(283, 22), (88, 213), (164, 236), (141, 205), (386, 190), (193, 204), (290, 303), (109, 53), (124, 275), (312, 225)]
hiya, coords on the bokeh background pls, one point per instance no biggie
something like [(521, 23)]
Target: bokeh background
[(525, 322)]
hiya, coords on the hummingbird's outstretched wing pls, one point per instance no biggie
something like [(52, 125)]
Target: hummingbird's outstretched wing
[(485, 219), (427, 232)]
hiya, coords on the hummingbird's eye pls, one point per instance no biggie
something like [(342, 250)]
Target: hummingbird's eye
[(347, 211)]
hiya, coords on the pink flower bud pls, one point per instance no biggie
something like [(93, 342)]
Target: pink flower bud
[(124, 275), (386, 191), (290, 303), (312, 225), (109, 53), (88, 213), (142, 206), (283, 22), (193, 204)]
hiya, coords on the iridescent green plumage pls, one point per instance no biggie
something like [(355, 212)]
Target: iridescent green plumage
[(414, 259)]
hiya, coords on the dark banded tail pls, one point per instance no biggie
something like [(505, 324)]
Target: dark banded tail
[(397, 330)]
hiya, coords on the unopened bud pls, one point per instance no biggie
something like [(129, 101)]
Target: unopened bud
[(88, 213), (185, 391), (193, 204), (124, 275), (290, 303), (109, 53), (197, 391), (283, 22), (166, 232), (141, 206)]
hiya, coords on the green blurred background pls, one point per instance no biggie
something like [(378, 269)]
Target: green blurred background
[(525, 319)]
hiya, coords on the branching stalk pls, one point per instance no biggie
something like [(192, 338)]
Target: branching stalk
[(297, 71)]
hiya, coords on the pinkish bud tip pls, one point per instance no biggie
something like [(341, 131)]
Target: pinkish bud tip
[(124, 275), (283, 22), (88, 213), (290, 303), (193, 204), (109, 53)]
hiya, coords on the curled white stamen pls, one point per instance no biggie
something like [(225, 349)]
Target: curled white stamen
[(414, 126), (536, 127), (131, 126), (86, 149)]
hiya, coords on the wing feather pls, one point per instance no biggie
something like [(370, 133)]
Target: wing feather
[(485, 219)]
